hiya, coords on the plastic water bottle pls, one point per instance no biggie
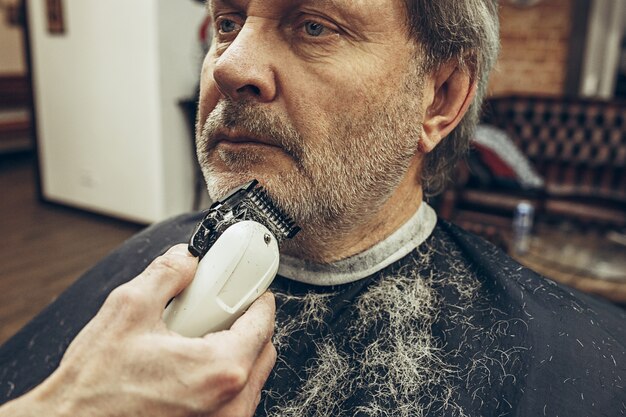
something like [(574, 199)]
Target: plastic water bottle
[(522, 227)]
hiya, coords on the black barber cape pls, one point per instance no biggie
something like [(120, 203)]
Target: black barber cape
[(454, 328)]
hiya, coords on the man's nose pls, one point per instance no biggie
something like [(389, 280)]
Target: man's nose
[(244, 69)]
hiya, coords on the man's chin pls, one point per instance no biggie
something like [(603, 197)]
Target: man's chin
[(219, 184), (228, 170), (280, 187)]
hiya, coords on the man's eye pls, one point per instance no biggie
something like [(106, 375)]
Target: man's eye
[(227, 26), (315, 29)]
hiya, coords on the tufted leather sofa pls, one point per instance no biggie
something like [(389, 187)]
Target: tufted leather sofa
[(577, 146)]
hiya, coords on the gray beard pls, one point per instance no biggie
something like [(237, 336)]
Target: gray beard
[(404, 370), (340, 178)]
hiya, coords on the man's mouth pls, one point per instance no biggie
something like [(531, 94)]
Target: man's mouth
[(233, 138)]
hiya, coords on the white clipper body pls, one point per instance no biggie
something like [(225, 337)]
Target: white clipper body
[(236, 270)]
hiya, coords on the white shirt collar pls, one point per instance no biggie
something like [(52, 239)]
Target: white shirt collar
[(409, 236)]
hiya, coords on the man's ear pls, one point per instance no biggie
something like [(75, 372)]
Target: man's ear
[(451, 93)]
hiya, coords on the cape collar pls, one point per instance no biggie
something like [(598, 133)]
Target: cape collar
[(409, 236)]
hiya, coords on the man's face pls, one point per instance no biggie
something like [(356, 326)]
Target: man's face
[(320, 100)]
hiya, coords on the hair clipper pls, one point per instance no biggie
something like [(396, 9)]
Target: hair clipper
[(237, 242)]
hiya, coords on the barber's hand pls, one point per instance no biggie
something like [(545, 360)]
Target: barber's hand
[(125, 362)]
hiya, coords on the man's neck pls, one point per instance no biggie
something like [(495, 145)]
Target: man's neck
[(338, 242)]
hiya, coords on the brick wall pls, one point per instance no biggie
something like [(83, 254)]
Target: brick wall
[(535, 47)]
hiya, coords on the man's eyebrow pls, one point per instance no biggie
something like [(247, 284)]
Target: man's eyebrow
[(347, 9), (324, 3), (223, 3), (233, 3)]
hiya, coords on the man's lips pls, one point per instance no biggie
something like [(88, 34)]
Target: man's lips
[(236, 139), (243, 138)]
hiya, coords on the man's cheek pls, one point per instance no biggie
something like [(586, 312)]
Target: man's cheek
[(209, 93), (209, 96)]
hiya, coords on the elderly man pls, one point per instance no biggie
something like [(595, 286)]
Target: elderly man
[(347, 112)]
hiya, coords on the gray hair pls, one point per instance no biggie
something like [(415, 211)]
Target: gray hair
[(465, 31)]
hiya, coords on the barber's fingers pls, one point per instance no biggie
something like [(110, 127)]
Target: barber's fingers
[(252, 331), (261, 371), (245, 402), (256, 326), (162, 280)]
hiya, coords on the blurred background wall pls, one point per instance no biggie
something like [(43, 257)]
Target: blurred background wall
[(535, 47), (560, 47), (11, 45), (14, 83)]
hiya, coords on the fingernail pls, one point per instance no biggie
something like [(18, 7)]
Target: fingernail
[(180, 249)]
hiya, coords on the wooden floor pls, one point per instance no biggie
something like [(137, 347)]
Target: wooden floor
[(43, 247)]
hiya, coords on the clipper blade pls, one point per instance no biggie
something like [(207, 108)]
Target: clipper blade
[(248, 202), (276, 220)]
